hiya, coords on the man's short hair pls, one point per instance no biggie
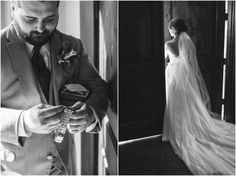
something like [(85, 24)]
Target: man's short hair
[(18, 3)]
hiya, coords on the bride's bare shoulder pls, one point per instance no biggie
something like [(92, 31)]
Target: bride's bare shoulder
[(172, 46)]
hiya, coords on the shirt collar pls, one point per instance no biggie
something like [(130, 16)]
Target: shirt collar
[(43, 50)]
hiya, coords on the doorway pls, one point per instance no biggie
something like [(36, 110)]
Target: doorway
[(141, 70)]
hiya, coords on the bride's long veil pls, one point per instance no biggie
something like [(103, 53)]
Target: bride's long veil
[(190, 69), (205, 144)]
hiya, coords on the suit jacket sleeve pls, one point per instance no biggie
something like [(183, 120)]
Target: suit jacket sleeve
[(89, 77), (8, 126)]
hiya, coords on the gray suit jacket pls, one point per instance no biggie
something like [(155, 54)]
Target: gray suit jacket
[(20, 91)]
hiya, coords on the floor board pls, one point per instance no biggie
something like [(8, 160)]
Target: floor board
[(150, 157)]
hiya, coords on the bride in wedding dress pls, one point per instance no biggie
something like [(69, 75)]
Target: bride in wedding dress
[(204, 143)]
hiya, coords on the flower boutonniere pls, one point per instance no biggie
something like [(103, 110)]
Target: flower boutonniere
[(66, 53)]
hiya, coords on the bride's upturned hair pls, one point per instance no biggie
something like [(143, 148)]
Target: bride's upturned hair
[(178, 24)]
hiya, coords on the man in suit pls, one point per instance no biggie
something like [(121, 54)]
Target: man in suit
[(31, 78)]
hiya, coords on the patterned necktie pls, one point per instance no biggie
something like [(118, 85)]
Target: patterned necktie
[(41, 71)]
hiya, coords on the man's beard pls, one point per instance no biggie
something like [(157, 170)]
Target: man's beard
[(34, 37)]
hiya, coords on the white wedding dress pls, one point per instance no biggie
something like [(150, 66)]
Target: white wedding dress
[(205, 144)]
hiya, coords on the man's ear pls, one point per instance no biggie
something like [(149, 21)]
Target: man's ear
[(13, 8)]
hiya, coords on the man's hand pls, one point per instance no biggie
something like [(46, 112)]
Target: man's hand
[(81, 118), (42, 119)]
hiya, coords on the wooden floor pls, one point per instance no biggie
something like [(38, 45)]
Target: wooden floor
[(150, 157)]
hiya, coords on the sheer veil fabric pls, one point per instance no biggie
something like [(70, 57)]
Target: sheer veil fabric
[(204, 143)]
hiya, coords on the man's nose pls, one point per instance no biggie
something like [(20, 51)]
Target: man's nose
[(40, 27)]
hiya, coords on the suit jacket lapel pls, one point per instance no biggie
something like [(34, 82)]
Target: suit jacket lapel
[(21, 61), (57, 70)]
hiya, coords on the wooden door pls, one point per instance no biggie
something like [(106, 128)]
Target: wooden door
[(141, 69)]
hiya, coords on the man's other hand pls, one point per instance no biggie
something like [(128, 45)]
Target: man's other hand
[(81, 118)]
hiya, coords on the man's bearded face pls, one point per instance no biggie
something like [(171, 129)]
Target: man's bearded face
[(35, 21)]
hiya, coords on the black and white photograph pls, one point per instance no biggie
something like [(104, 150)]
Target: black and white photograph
[(58, 88), (117, 87), (177, 88)]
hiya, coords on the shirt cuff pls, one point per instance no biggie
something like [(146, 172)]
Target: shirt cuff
[(95, 123), (20, 127)]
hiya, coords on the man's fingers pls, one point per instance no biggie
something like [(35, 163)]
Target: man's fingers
[(42, 106), (76, 126), (47, 106), (81, 113), (56, 119), (79, 116), (81, 121), (53, 127), (76, 130), (77, 105), (51, 111)]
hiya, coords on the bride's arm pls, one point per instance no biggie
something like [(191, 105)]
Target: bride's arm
[(167, 59), (166, 51)]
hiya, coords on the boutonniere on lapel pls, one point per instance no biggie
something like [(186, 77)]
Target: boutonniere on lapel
[(66, 54)]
